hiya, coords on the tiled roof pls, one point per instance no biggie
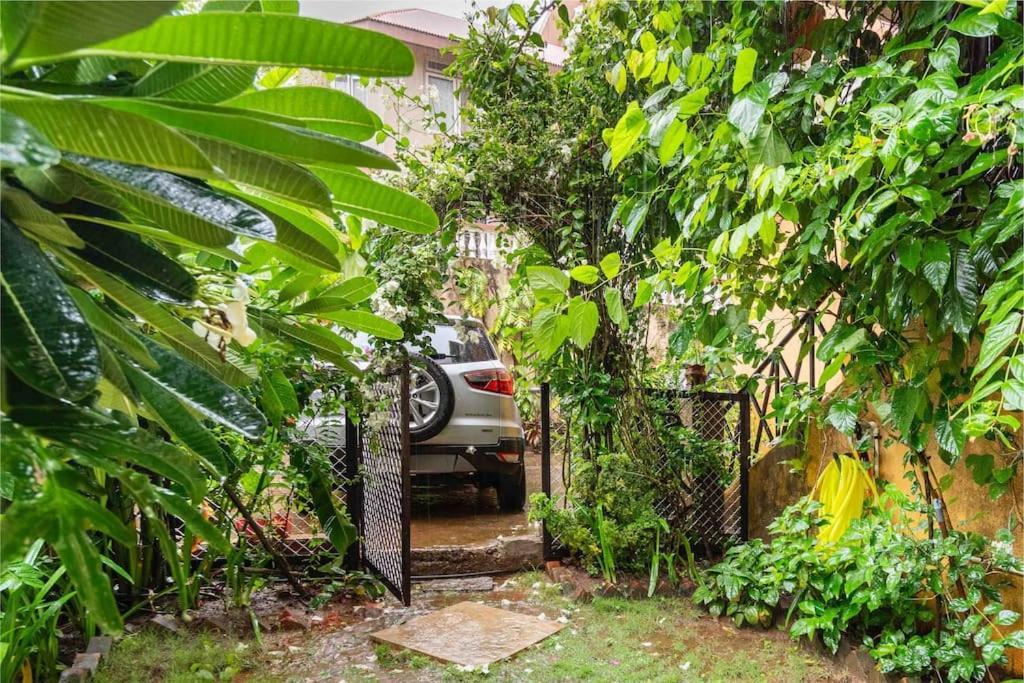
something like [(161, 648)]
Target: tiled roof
[(445, 26), (424, 21)]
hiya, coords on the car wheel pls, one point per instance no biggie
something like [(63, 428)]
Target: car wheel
[(512, 491), (431, 398)]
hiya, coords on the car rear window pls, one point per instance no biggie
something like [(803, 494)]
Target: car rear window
[(446, 344), (467, 344)]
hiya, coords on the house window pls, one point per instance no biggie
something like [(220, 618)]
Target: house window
[(443, 100), (351, 84)]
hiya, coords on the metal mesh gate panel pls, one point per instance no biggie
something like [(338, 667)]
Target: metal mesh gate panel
[(708, 503), (384, 496), (714, 508)]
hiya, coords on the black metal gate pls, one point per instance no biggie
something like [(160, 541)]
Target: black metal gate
[(713, 508), (379, 497)]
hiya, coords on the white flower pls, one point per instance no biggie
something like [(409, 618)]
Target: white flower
[(378, 419), (235, 312), (231, 321), (1004, 547)]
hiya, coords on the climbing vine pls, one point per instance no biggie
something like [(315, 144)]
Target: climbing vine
[(862, 162)]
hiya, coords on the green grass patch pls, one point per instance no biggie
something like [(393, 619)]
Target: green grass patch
[(152, 655)]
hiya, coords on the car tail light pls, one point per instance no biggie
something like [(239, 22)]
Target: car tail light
[(494, 381)]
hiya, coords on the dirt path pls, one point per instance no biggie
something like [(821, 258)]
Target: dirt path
[(609, 639)]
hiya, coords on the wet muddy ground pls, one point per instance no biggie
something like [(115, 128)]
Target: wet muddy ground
[(609, 639), (450, 511)]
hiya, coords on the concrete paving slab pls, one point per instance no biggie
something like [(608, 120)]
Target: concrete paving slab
[(469, 634)]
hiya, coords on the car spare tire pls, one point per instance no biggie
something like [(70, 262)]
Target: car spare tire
[(431, 398)]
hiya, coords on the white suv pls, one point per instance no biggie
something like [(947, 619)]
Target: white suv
[(463, 418)]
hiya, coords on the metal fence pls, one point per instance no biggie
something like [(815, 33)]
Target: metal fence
[(370, 468), (382, 504), (770, 378), (713, 507), (709, 504)]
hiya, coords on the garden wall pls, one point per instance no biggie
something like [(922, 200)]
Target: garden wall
[(773, 487)]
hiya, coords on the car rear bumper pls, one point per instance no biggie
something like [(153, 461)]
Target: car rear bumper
[(503, 458)]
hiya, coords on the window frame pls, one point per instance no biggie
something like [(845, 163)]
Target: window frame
[(454, 126), (347, 83)]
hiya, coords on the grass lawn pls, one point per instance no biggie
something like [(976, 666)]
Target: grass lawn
[(609, 639)]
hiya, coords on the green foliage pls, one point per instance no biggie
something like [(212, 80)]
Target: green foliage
[(879, 585), (137, 223), (32, 609), (863, 165)]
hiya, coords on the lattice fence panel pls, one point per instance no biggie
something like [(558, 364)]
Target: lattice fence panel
[(713, 510), (707, 502), (385, 473)]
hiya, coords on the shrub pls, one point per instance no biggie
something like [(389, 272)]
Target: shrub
[(880, 584)]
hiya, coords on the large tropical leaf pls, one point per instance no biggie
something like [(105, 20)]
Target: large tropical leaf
[(102, 440), (146, 269), (39, 29), (22, 210), (324, 109), (267, 172), (176, 419), (323, 304), (194, 520), (364, 321), (24, 521), (106, 133), (290, 142), (107, 325), (305, 238), (177, 333), (54, 184), (84, 566), (324, 344), (194, 211), (157, 234), (284, 391), (354, 289), (47, 342), (299, 250), (356, 193), (194, 82), (93, 70), (203, 393), (23, 145), (260, 40)]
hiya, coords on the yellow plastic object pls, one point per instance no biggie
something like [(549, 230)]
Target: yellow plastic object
[(842, 488)]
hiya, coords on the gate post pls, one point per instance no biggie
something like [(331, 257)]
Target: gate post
[(406, 485), (545, 461), (353, 489), (744, 397)]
